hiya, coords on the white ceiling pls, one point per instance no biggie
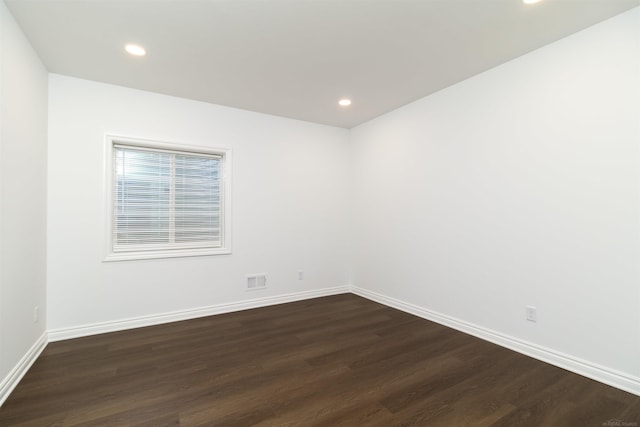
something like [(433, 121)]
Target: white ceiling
[(296, 58)]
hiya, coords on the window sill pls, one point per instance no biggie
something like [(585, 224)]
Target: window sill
[(174, 253)]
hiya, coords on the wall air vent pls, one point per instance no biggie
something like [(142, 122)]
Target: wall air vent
[(256, 281)]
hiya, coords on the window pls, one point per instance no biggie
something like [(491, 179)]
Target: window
[(166, 200)]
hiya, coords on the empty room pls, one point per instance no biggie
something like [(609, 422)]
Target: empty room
[(320, 213)]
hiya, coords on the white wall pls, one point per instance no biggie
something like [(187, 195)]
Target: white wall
[(289, 205), (23, 149), (516, 187)]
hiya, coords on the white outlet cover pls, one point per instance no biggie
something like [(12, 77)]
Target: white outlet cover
[(531, 314)]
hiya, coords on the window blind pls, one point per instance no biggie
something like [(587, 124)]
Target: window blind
[(165, 199)]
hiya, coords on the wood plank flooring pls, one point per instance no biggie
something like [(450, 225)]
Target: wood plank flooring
[(333, 361)]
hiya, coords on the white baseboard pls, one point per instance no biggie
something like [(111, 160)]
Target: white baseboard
[(594, 371), (157, 319), (21, 368)]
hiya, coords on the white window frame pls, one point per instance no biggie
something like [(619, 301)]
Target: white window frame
[(225, 188)]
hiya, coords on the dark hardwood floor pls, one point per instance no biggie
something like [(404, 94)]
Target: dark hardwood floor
[(334, 361)]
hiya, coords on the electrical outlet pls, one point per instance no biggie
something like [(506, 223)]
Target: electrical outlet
[(35, 314), (531, 314), (300, 275)]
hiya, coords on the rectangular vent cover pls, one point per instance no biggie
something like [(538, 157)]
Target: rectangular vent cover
[(256, 281)]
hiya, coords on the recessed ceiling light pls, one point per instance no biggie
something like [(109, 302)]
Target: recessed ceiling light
[(530, 1), (344, 102), (135, 50)]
